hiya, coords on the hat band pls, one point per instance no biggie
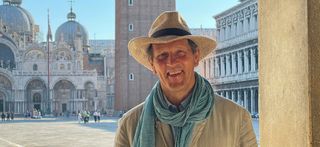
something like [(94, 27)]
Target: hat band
[(170, 31)]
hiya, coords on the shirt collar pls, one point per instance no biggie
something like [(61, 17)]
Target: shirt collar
[(180, 107)]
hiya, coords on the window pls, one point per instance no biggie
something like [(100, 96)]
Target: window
[(35, 67), (130, 2), (61, 66), (131, 76), (248, 25), (249, 60), (235, 29), (130, 27), (236, 58)]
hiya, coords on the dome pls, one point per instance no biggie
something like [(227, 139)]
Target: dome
[(28, 14), (15, 18), (68, 32), (71, 16), (16, 2)]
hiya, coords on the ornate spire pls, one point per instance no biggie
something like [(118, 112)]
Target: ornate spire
[(16, 2), (49, 34), (71, 15)]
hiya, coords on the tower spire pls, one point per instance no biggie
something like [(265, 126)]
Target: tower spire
[(71, 15), (49, 35)]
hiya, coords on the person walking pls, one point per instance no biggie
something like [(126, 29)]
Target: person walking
[(95, 114), (12, 115), (79, 117), (3, 116), (8, 116), (98, 116)]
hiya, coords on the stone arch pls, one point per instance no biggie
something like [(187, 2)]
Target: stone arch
[(6, 100), (7, 55), (90, 94), (63, 97), (36, 88)]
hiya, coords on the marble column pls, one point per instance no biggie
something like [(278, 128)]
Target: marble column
[(253, 60), (245, 98), (233, 95), (239, 62), (252, 101), (227, 94), (228, 64), (223, 62), (239, 97), (216, 67), (246, 61), (233, 63)]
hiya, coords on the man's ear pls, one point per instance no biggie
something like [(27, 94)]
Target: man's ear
[(196, 57), (151, 63)]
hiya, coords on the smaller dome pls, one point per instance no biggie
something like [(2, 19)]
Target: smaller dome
[(71, 16), (16, 2)]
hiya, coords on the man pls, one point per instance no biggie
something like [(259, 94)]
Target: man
[(181, 109)]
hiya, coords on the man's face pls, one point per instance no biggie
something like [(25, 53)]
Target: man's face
[(174, 64)]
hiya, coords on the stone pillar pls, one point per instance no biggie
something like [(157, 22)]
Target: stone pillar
[(228, 64), (233, 63), (289, 58), (246, 60), (233, 95), (239, 97), (239, 62), (212, 66), (253, 60), (216, 71), (252, 100), (245, 98), (223, 62), (227, 94)]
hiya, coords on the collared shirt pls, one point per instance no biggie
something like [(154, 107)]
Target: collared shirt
[(181, 107)]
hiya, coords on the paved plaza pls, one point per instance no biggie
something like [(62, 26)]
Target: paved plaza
[(61, 132)]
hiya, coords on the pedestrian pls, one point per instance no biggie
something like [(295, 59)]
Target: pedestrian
[(3, 116), (95, 115), (79, 117), (8, 116), (98, 116), (182, 109), (12, 115)]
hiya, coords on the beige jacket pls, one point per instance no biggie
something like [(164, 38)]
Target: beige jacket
[(228, 126)]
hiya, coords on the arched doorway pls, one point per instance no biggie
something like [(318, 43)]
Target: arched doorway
[(6, 102), (37, 96), (63, 97), (6, 57), (2, 98), (90, 94)]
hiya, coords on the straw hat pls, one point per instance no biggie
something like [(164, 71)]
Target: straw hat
[(169, 26)]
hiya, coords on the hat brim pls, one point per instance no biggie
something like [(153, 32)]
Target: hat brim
[(138, 46)]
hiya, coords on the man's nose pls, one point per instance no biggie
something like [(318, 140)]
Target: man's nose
[(172, 60)]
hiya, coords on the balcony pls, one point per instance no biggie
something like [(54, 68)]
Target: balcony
[(237, 39), (55, 73), (235, 78)]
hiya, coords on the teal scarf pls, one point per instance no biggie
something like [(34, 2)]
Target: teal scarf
[(155, 107)]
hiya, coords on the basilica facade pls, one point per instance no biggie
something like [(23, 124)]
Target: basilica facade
[(54, 76)]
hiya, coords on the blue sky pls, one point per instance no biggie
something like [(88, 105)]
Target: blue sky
[(98, 16)]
